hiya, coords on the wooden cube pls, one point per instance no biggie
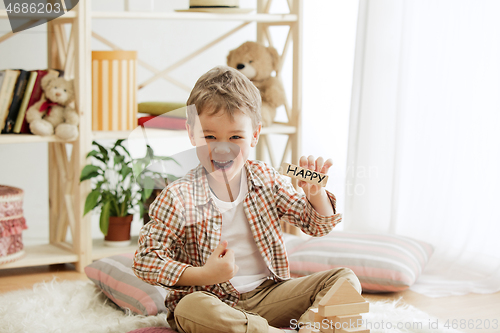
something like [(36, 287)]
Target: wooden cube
[(342, 292), (353, 330), (314, 316), (343, 321), (337, 322), (343, 309)]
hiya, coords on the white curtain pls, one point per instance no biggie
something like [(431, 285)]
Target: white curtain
[(424, 140)]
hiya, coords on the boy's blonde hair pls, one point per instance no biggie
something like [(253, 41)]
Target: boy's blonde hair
[(224, 89)]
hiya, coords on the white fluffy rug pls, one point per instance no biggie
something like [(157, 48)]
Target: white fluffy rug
[(398, 317), (78, 306), (67, 306)]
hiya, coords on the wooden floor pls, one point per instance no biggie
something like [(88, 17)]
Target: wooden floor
[(473, 308), (25, 278)]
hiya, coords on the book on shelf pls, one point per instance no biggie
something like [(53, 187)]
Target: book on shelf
[(7, 93), (17, 98), (24, 104), (2, 76), (162, 122)]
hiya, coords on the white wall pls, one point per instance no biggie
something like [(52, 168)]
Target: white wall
[(329, 35), (329, 38)]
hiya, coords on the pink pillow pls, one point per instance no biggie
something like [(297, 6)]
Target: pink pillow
[(382, 262), (115, 278)]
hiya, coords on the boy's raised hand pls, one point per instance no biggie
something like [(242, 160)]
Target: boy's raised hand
[(220, 266), (318, 165), (316, 194)]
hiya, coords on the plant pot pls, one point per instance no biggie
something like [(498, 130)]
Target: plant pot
[(118, 231)]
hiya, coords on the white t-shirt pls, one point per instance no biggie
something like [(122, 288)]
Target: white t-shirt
[(236, 231)]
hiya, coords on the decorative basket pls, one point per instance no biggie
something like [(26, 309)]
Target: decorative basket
[(12, 223), (114, 90)]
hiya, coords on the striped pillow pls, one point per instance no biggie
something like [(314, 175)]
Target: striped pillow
[(115, 278), (382, 262)]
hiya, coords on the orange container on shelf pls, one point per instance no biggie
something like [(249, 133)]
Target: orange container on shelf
[(114, 90)]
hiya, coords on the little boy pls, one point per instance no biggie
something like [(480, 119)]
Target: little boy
[(214, 239)]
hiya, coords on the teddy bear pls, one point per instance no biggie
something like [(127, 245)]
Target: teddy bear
[(53, 113), (257, 62)]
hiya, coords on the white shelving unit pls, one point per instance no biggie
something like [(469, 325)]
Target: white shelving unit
[(73, 54)]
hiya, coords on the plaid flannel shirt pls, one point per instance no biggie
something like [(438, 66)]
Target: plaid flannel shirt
[(185, 229)]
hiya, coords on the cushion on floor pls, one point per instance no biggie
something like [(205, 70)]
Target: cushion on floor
[(114, 276), (382, 262)]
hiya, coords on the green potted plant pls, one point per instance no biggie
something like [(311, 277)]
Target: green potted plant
[(120, 185), (152, 182), (114, 191)]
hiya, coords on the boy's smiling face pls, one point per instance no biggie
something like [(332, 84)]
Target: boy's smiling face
[(223, 143)]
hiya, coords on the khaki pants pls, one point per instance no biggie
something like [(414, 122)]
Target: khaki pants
[(274, 304)]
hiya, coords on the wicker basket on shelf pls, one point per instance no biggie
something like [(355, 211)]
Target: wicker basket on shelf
[(12, 223)]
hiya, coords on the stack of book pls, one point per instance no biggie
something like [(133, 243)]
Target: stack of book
[(163, 115), (19, 89)]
